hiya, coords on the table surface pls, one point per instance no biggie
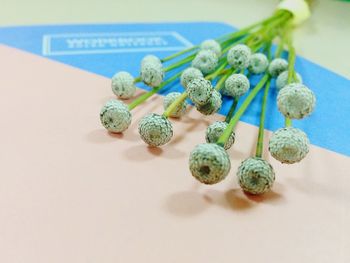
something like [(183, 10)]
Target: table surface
[(72, 192), (324, 39)]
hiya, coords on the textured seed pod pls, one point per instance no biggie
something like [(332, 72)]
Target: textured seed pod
[(282, 79), (151, 59), (206, 61), (255, 175), (115, 116), (209, 163), (236, 85), (211, 44), (155, 130), (123, 85), (179, 109), (289, 145), (258, 63), (190, 74), (212, 106), (152, 74), (199, 91), (277, 66), (215, 130), (239, 56), (296, 101)]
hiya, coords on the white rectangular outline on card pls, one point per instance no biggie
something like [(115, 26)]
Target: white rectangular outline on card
[(46, 43)]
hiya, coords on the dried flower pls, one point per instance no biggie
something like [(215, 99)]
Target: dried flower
[(180, 109), (115, 116), (155, 130), (277, 66), (258, 63), (190, 74), (213, 104), (123, 85), (282, 79), (296, 101), (211, 44), (206, 61), (289, 145), (215, 130), (199, 91), (255, 175), (209, 163), (236, 85), (239, 56)]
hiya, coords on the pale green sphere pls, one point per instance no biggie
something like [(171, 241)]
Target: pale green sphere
[(151, 59), (209, 163), (289, 145), (211, 44), (115, 116), (255, 175), (277, 66), (282, 79), (206, 61), (296, 101), (179, 109), (258, 63), (155, 130), (212, 106), (190, 74), (236, 85), (123, 85), (152, 74), (215, 130), (239, 56), (199, 91)]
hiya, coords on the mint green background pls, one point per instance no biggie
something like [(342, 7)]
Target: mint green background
[(324, 39)]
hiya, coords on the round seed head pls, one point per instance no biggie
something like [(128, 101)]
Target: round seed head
[(115, 116), (152, 74), (296, 101), (238, 56), (212, 106), (155, 130), (151, 59), (180, 109), (255, 175), (211, 44), (215, 130), (206, 61), (282, 79), (123, 85), (258, 63), (277, 66), (190, 74), (236, 85), (209, 163), (289, 145), (199, 91)]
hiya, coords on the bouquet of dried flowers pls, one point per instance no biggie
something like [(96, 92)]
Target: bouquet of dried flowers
[(218, 67)]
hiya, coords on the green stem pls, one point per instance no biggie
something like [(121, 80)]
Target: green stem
[(179, 53), (228, 37), (232, 110), (226, 134), (222, 80), (148, 94), (260, 143), (179, 63), (173, 105), (288, 122), (291, 71)]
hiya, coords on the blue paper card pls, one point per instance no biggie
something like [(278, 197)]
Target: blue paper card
[(107, 48)]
